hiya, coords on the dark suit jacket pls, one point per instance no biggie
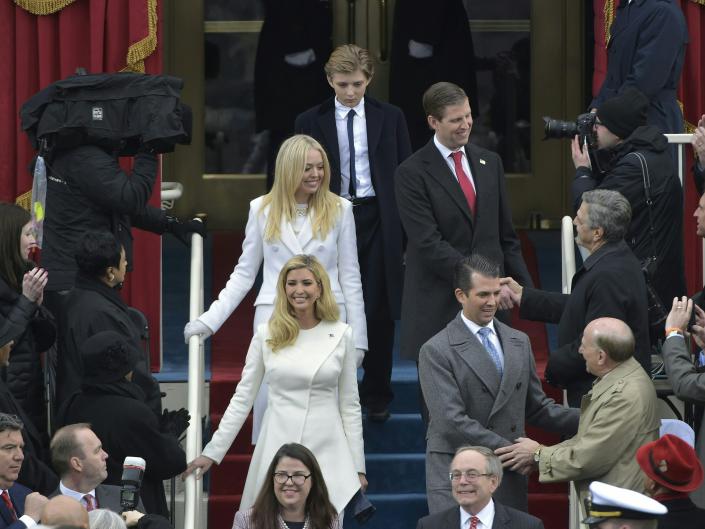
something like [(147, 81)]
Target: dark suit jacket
[(34, 472), (18, 493), (682, 514), (441, 231), (468, 404), (388, 145), (504, 518), (608, 284)]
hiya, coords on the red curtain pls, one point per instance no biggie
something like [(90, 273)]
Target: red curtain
[(691, 93), (36, 50)]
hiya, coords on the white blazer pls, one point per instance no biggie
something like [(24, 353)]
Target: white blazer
[(337, 253), (312, 400)]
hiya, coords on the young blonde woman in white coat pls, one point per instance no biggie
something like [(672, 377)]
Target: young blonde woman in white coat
[(299, 215), (308, 356)]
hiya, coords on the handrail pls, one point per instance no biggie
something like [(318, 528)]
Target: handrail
[(568, 253), (680, 140), (196, 369)]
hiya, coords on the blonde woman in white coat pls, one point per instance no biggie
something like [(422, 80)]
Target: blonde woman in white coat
[(309, 358), (299, 215)]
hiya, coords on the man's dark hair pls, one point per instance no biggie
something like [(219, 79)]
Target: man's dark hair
[(610, 211), (442, 95), (64, 445), (96, 251), (462, 276), (10, 422)]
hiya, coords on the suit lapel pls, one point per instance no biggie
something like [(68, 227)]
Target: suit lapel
[(373, 119), (438, 169), (306, 233), (286, 234), (501, 516), (474, 354), (326, 121)]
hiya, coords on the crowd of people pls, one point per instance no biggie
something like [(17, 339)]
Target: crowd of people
[(357, 232)]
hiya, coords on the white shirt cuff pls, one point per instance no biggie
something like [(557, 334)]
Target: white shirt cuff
[(28, 520)]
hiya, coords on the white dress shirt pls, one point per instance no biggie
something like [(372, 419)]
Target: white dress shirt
[(486, 517), (446, 153), (363, 175), (475, 328), (78, 496)]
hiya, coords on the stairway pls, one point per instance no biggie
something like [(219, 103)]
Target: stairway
[(394, 450)]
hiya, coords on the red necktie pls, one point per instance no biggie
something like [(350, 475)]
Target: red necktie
[(8, 504), (473, 522), (464, 180), (90, 502)]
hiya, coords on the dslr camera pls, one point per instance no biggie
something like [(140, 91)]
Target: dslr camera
[(583, 127)]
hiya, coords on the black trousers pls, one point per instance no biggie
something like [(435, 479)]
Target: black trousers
[(376, 387)]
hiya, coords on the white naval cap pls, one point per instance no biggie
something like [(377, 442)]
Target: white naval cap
[(607, 501)]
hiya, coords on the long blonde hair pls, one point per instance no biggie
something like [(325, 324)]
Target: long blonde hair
[(283, 325), (288, 175)]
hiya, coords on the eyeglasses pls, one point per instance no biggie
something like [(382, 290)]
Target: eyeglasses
[(470, 475), (296, 479)]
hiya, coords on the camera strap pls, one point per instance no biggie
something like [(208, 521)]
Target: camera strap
[(649, 201)]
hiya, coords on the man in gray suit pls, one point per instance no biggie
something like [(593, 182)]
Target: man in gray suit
[(475, 473), (479, 380), (78, 457)]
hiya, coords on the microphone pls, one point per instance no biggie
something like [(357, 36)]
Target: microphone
[(131, 481)]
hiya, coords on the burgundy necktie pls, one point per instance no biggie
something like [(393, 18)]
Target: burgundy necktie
[(473, 522), (8, 504), (464, 180), (90, 502)]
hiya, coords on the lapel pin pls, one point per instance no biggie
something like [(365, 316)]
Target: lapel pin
[(332, 335), (483, 162)]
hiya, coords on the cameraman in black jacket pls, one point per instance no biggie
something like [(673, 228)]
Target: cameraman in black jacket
[(621, 131)]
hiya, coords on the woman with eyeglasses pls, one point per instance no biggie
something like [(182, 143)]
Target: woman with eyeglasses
[(21, 294), (294, 497), (308, 356), (299, 215)]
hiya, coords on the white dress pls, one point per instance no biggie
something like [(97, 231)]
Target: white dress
[(312, 400)]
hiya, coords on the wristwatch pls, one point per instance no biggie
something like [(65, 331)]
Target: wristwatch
[(537, 454)]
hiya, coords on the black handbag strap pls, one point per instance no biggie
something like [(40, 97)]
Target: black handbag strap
[(649, 201)]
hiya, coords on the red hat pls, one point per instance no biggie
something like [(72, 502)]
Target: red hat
[(672, 463)]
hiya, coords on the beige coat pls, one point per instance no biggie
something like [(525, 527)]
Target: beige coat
[(617, 416), (313, 400)]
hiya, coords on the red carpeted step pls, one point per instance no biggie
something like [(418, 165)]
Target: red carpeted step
[(551, 508), (243, 442), (229, 477), (221, 511)]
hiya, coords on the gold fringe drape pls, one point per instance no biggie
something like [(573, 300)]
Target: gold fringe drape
[(140, 50), (43, 7), (608, 11)]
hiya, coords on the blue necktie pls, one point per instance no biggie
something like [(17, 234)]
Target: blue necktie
[(351, 148), (491, 349)]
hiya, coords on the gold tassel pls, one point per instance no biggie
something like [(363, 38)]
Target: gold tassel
[(25, 200), (140, 50), (609, 15), (43, 7)]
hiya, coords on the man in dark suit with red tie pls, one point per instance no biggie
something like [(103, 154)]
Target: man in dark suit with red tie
[(20, 508), (452, 202), (366, 140)]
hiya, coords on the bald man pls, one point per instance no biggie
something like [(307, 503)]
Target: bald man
[(618, 415), (63, 510)]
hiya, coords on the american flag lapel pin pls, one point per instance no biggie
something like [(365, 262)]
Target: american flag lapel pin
[(483, 162)]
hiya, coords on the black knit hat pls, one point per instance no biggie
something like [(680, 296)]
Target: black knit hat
[(624, 113), (108, 357)]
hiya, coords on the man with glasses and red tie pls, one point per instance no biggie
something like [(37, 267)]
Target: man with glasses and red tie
[(20, 508), (475, 473)]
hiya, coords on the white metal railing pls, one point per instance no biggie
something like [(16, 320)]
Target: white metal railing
[(568, 253), (680, 140), (196, 383), (170, 191)]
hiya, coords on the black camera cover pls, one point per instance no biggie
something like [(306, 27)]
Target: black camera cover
[(121, 112)]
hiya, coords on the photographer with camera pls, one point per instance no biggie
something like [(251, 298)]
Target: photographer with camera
[(632, 157)]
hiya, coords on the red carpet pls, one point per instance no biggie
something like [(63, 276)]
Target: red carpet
[(228, 350)]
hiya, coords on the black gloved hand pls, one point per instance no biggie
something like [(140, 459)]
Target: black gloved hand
[(182, 229), (174, 422)]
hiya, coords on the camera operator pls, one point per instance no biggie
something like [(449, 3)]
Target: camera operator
[(88, 190), (656, 229)]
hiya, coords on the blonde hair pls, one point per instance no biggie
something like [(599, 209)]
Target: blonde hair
[(324, 206), (283, 325), (350, 58)]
